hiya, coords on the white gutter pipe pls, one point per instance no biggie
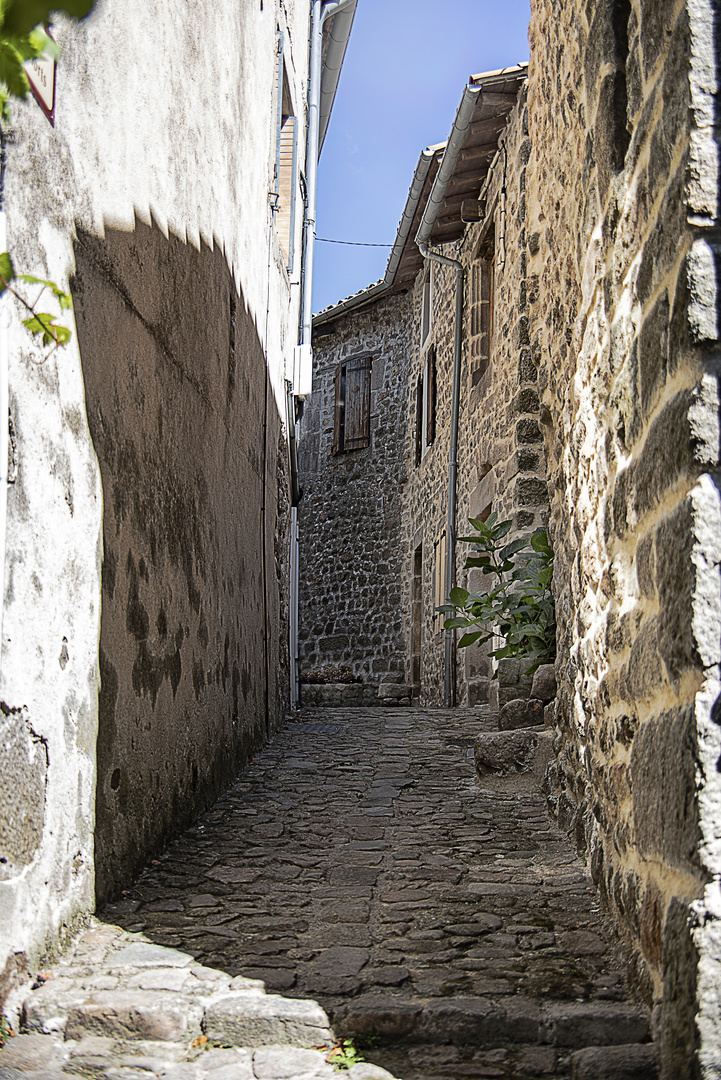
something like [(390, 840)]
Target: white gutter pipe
[(4, 394), (317, 123), (321, 11), (433, 206), (373, 292)]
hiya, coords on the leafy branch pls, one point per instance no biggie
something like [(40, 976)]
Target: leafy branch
[(23, 37), (519, 604), (38, 322)]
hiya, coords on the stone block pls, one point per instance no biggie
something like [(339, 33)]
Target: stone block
[(593, 1023), (282, 1062), (520, 713), (364, 1070), (676, 582), (500, 753), (137, 1014), (633, 1062), (664, 789), (378, 1014), (549, 714), (457, 1020), (265, 1020), (479, 691), (544, 683)]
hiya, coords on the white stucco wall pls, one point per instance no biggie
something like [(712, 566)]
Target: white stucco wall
[(162, 108)]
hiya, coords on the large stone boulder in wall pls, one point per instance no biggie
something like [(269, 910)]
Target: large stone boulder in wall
[(544, 683), (513, 760), (520, 713)]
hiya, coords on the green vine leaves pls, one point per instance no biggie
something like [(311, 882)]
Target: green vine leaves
[(40, 323), (23, 37), (518, 607)]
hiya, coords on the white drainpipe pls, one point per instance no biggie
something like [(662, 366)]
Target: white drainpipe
[(423, 236), (4, 423)]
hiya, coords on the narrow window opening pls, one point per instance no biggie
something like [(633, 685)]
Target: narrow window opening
[(621, 15), (417, 617), (419, 420), (352, 405), (439, 591), (427, 302), (286, 163)]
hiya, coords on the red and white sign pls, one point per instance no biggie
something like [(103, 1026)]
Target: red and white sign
[(41, 76)]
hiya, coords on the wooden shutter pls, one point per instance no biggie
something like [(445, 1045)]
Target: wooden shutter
[(338, 411), (357, 421), (431, 392), (440, 582), (286, 187), (279, 72)]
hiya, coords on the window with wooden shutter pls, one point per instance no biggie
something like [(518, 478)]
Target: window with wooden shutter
[(352, 406), (439, 590), (286, 162)]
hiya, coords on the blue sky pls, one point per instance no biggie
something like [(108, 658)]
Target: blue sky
[(404, 72)]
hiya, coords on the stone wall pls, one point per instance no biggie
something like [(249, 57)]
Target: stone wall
[(350, 512), (189, 594), (624, 326), (501, 464)]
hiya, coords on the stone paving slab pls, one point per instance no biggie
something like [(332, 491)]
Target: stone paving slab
[(356, 869), (357, 862)]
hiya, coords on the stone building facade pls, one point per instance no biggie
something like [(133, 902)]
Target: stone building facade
[(350, 512), (589, 402), (145, 615)]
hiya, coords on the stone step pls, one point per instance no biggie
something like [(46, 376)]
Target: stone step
[(630, 1062), (484, 1022)]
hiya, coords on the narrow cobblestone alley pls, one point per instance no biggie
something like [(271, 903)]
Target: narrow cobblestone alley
[(451, 931)]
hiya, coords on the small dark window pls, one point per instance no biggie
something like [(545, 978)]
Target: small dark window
[(426, 405), (621, 15), (427, 302), (419, 420), (482, 303), (430, 410), (352, 417)]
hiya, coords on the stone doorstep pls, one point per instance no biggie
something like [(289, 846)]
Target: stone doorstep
[(45, 1056), (168, 1029), (484, 1022)]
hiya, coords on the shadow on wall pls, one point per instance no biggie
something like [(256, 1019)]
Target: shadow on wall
[(187, 432)]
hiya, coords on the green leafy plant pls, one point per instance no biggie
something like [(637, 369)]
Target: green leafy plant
[(519, 606), (6, 1032), (23, 37), (42, 323), (344, 1055)]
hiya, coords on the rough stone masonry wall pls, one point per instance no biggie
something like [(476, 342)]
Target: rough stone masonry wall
[(500, 446), (623, 319), (349, 515), (501, 456)]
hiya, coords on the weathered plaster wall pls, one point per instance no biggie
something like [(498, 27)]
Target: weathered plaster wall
[(350, 513), (177, 421), (624, 323), (153, 114)]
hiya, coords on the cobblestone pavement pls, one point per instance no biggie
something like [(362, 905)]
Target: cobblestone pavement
[(449, 929)]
